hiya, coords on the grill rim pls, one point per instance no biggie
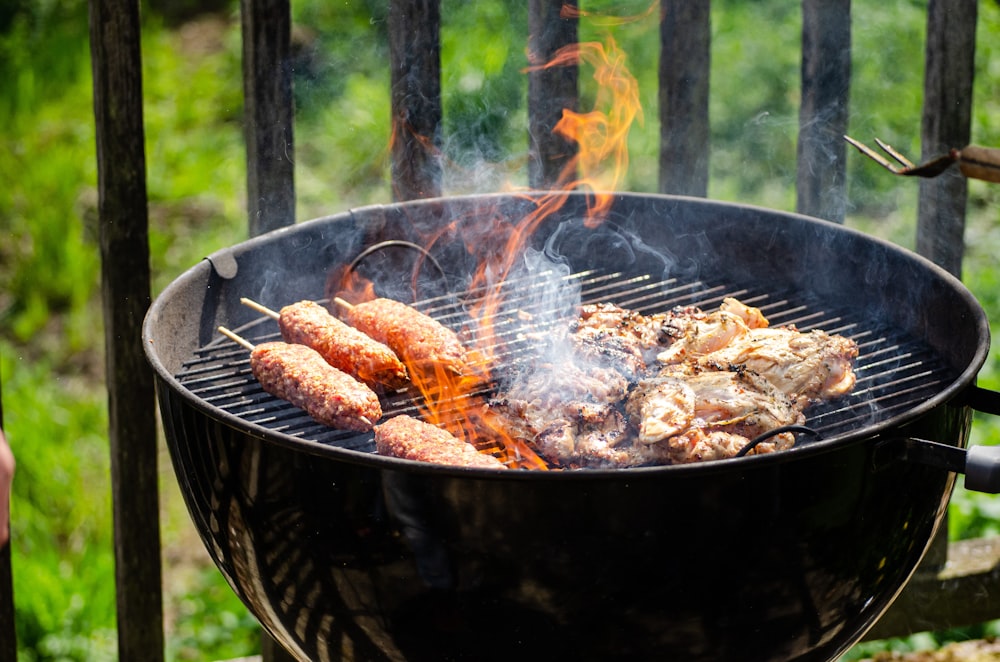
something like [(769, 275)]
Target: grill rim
[(220, 263)]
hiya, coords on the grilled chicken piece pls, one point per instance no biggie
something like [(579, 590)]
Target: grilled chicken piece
[(708, 415), (753, 317), (567, 412), (617, 337), (806, 367), (695, 335)]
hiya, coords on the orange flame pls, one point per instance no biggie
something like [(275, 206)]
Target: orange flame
[(601, 159), (573, 11), (456, 399)]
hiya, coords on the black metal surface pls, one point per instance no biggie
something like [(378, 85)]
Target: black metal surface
[(343, 554)]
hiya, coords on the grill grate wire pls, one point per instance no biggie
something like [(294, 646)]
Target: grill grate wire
[(894, 372)]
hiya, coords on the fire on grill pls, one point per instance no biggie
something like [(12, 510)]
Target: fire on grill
[(609, 388)]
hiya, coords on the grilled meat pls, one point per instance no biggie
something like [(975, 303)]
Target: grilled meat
[(804, 366), (343, 346), (421, 341), (299, 374), (724, 378), (409, 438), (710, 414), (695, 333), (568, 412)]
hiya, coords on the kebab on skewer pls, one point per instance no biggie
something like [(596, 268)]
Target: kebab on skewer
[(344, 347), (412, 439), (300, 375), (420, 340)]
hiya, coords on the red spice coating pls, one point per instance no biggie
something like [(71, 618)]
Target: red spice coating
[(301, 376), (415, 337), (343, 347), (412, 439)]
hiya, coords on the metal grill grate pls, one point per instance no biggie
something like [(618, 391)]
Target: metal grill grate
[(894, 372)]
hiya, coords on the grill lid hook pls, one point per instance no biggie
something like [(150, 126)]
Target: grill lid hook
[(801, 429)]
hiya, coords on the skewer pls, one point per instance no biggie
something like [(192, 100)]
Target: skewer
[(344, 304), (260, 308), (240, 340)]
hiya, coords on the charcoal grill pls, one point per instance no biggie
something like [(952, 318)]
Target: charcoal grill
[(343, 554), (895, 372)]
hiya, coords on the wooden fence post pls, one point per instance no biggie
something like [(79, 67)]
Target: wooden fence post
[(821, 181), (549, 90), (685, 58), (947, 117), (125, 289), (415, 60), (268, 111)]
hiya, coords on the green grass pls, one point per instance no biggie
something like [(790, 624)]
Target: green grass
[(51, 344)]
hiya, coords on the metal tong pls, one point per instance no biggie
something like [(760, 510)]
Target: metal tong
[(973, 161)]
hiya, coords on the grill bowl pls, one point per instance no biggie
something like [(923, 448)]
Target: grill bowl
[(343, 554)]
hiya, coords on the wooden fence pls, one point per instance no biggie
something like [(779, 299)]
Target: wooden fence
[(939, 595)]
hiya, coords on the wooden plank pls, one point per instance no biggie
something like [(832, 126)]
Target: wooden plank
[(947, 117), (960, 594), (685, 58), (826, 78), (125, 289), (268, 113), (415, 59), (8, 633), (550, 28)]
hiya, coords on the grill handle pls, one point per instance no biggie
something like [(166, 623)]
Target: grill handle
[(980, 464), (981, 399)]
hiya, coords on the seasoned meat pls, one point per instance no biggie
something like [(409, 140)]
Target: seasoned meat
[(412, 439), (568, 412), (301, 376), (696, 335), (751, 316), (600, 438), (418, 339), (682, 386), (343, 346), (719, 412), (804, 366), (620, 334)]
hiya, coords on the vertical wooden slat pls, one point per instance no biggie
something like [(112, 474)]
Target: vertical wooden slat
[(268, 109), (125, 289), (826, 78), (947, 116), (415, 58), (269, 134), (685, 59), (8, 633), (549, 90)]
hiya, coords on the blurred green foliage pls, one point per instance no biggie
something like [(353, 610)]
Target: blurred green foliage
[(51, 340)]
